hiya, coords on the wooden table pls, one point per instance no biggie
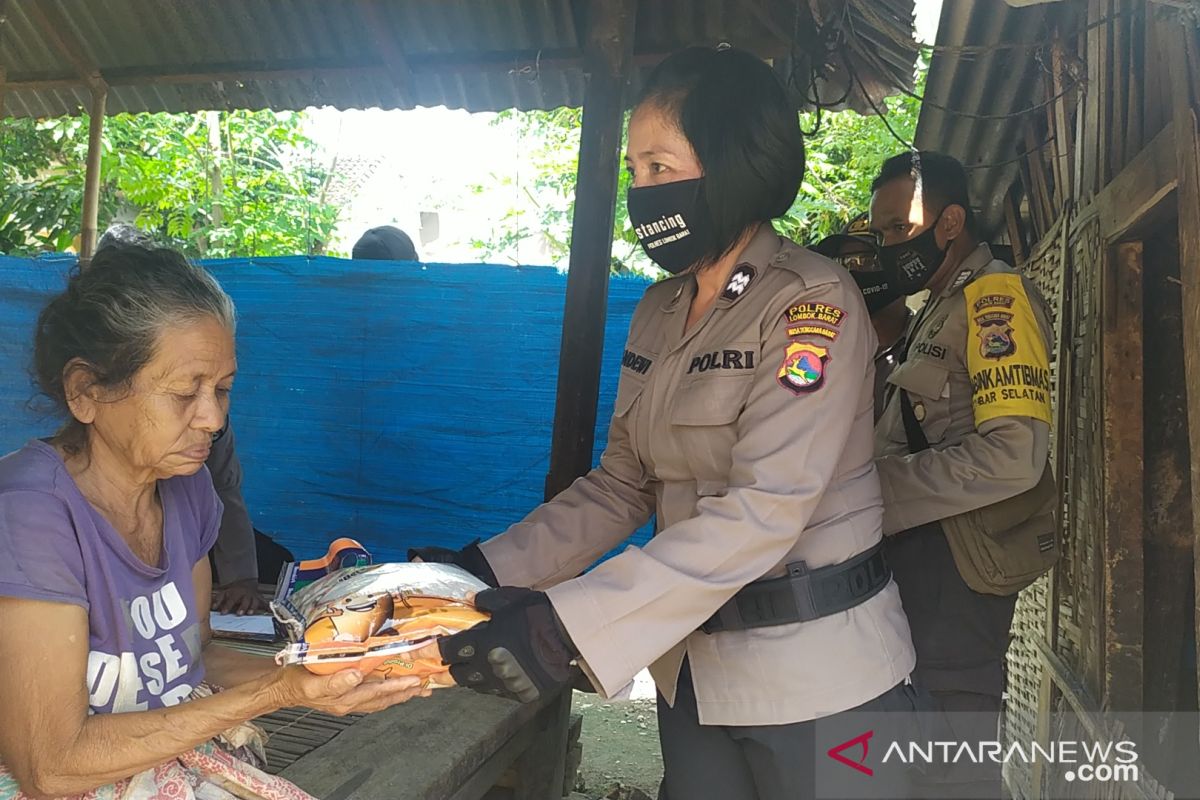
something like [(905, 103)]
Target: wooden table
[(455, 745)]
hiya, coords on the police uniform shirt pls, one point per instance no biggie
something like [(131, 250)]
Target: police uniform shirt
[(978, 376), (886, 360), (749, 435)]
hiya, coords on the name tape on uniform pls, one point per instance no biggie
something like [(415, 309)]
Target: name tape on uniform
[(1007, 356), (638, 363)]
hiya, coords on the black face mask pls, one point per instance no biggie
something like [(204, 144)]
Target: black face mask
[(672, 223), (876, 288), (910, 265)]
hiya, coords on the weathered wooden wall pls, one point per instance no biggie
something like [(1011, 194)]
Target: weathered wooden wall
[(1105, 217)]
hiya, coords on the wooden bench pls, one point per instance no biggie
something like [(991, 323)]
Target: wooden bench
[(454, 745)]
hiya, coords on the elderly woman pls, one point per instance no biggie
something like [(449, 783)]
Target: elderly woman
[(104, 533)]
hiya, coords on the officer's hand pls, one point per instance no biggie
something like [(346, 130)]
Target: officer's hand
[(239, 597), (521, 652), (470, 558)]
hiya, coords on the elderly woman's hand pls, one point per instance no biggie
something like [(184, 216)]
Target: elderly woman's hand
[(345, 692)]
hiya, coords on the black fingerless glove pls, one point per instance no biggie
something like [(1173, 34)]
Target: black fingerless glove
[(522, 652), (470, 558)]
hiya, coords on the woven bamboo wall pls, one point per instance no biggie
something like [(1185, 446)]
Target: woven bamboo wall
[(1025, 670), (1078, 576), (1076, 581)]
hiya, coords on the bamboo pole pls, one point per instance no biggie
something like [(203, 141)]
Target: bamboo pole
[(91, 185), (3, 71)]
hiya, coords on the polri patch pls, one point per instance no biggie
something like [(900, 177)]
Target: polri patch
[(739, 282), (803, 368), (796, 331), (815, 312), (722, 359)]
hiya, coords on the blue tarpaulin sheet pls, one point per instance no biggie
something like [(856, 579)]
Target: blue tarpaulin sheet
[(396, 403)]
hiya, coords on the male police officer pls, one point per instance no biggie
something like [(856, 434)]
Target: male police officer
[(964, 435), (855, 249)]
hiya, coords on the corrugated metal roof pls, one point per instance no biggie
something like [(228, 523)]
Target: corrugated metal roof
[(1000, 79), (481, 55)]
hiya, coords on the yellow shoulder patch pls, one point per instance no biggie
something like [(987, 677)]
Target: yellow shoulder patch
[(1006, 355)]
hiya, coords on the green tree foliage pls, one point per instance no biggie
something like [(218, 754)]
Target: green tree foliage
[(548, 162), (844, 150), (843, 153), (211, 184)]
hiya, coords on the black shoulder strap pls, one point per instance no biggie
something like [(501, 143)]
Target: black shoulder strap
[(912, 428)]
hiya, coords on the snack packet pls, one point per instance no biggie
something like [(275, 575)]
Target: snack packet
[(342, 553), (371, 617)]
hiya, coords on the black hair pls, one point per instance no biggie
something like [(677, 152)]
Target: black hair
[(736, 114), (942, 178), (109, 319), (385, 243)]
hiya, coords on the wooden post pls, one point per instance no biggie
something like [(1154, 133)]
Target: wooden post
[(1062, 132), (1039, 192), (1123, 469), (1096, 86), (1187, 146), (1119, 81), (1012, 217), (1170, 530), (608, 51), (91, 184)]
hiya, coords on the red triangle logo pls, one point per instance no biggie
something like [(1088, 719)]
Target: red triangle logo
[(836, 753)]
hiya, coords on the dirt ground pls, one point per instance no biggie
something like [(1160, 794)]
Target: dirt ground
[(621, 759)]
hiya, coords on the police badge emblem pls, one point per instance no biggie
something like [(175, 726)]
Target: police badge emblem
[(803, 368), (996, 335), (936, 327)]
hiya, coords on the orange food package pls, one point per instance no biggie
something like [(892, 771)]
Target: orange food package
[(373, 617)]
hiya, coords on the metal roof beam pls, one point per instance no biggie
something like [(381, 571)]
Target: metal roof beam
[(214, 73), (771, 21), (54, 28), (388, 48)]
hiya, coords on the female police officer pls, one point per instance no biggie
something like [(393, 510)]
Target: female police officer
[(744, 419)]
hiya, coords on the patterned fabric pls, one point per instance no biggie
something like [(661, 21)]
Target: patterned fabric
[(221, 769), (207, 773)]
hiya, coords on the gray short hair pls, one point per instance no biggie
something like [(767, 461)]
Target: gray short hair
[(110, 318)]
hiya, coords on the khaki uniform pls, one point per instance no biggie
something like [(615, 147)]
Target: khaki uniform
[(975, 458), (977, 374), (750, 437)]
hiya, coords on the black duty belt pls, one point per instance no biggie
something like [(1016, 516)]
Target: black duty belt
[(804, 594)]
